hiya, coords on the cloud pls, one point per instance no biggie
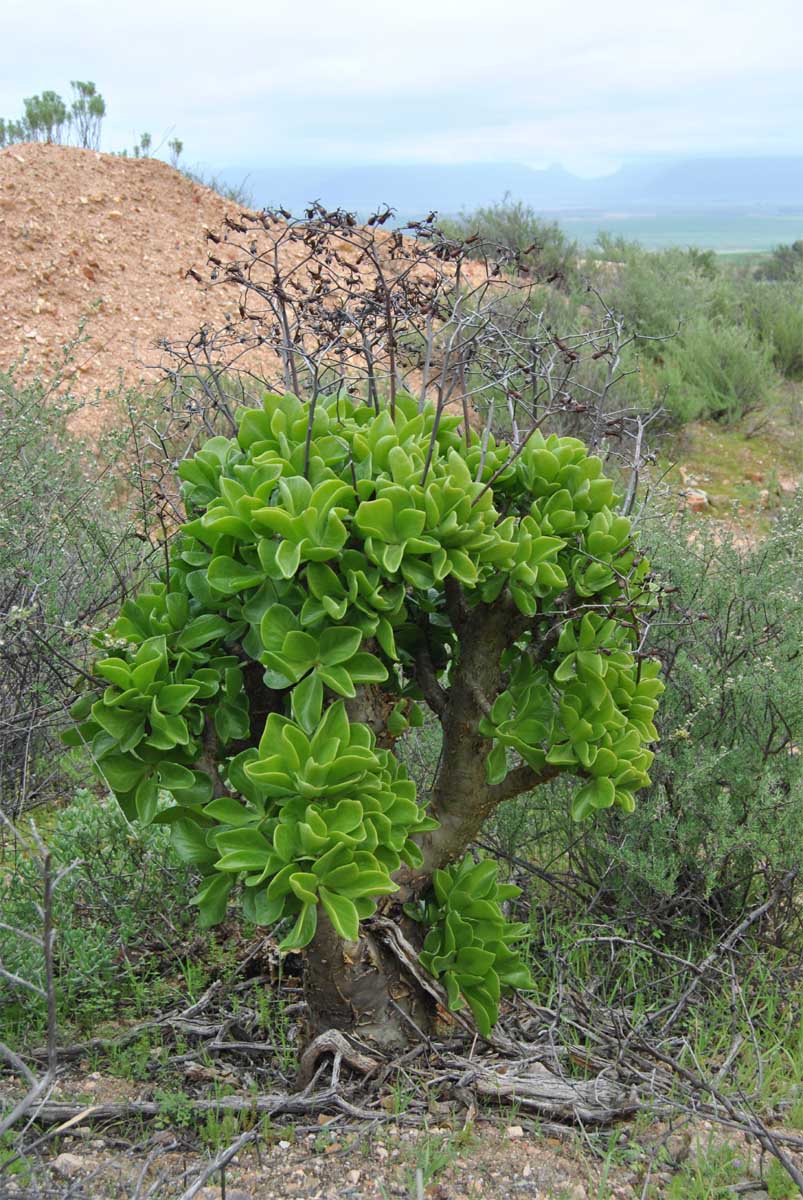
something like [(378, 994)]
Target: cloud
[(430, 80)]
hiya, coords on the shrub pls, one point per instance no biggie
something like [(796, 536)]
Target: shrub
[(775, 312), (784, 264), (714, 369), (727, 795), (657, 293), (64, 558), (115, 934), (515, 228)]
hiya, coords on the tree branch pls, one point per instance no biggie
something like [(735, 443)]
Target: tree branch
[(437, 697), (521, 779)]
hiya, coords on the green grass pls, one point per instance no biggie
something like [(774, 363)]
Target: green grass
[(743, 468)]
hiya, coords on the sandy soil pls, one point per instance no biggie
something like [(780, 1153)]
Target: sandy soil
[(92, 237)]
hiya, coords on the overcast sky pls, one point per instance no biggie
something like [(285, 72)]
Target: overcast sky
[(587, 83)]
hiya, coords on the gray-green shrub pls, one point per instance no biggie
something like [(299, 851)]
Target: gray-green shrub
[(715, 369), (119, 915), (66, 552), (516, 229)]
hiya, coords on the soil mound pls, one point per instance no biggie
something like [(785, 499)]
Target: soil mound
[(94, 238)]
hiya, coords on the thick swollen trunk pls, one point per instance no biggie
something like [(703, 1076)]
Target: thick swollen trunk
[(363, 989), (462, 798)]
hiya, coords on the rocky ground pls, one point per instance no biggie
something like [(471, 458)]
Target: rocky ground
[(454, 1153)]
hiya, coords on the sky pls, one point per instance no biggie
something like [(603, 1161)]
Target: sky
[(589, 84)]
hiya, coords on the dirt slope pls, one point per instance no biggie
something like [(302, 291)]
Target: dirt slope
[(89, 235)]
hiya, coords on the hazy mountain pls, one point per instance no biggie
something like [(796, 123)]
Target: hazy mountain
[(687, 183)]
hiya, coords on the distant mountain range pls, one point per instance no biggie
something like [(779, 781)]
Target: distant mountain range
[(698, 183)]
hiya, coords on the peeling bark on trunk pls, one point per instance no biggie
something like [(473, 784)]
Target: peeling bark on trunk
[(361, 988)]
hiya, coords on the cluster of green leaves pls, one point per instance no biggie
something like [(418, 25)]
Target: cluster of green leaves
[(323, 819), (604, 719), (720, 825), (314, 564), (146, 731), (588, 705), (469, 944)]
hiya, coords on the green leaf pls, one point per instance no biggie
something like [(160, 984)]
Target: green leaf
[(258, 908), (300, 650), (198, 792), (122, 771), (496, 764), (242, 850), (211, 899), (375, 517), (208, 627), (484, 1009), (453, 997), (366, 668), (474, 961), (189, 842), (231, 722), (147, 799), (338, 644), (121, 723), (303, 931), (305, 885), (229, 811), (174, 697), (342, 913), (369, 883), (306, 700), (338, 680), (116, 670), (174, 775), (288, 557), (228, 576), (397, 720)]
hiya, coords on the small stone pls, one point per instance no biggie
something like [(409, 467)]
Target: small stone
[(678, 1146), (526, 1171), (697, 500), (68, 1165), (514, 1131), (354, 1176), (284, 1145), (380, 1152)]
